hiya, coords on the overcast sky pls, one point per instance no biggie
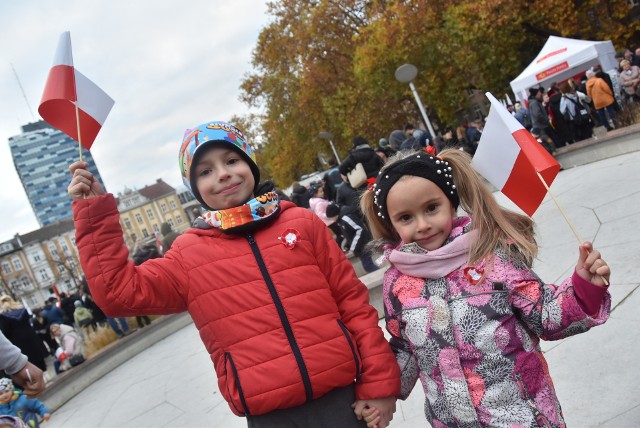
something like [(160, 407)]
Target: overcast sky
[(169, 66)]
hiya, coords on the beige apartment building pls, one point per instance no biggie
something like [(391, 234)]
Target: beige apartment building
[(143, 211), (35, 265)]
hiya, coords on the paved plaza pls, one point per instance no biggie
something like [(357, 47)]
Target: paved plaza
[(597, 374)]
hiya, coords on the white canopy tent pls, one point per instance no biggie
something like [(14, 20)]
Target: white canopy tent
[(561, 59)]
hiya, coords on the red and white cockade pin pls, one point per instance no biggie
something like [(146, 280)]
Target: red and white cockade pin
[(473, 274), (289, 238)]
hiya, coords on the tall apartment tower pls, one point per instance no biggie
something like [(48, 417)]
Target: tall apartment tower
[(41, 156)]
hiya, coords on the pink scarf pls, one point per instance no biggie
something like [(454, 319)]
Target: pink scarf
[(412, 260)]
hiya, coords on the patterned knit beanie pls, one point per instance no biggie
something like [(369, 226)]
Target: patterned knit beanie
[(212, 134)]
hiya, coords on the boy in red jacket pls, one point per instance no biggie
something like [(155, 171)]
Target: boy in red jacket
[(279, 308)]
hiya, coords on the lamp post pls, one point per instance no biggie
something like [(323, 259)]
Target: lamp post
[(405, 74), (329, 136)]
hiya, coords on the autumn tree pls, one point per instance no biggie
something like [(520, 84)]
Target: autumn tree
[(328, 65)]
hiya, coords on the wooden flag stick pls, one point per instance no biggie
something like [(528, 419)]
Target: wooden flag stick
[(573, 229)]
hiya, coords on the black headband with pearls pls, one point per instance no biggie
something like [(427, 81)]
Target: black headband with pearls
[(422, 165)]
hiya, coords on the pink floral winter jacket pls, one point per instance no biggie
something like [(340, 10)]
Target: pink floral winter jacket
[(474, 342)]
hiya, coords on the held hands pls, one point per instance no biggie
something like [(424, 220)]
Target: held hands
[(376, 412), (83, 183), (30, 379), (591, 267)]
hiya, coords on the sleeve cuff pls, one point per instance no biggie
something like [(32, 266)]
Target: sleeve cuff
[(589, 296)]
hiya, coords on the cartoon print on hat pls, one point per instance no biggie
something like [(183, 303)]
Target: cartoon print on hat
[(196, 138)]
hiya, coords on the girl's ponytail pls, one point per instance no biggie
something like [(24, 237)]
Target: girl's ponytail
[(497, 227)]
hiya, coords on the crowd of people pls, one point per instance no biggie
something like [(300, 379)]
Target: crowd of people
[(568, 111)]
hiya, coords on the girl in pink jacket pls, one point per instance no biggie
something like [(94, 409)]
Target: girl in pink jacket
[(463, 307)]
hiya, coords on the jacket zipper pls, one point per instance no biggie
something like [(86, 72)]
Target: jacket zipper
[(283, 317), (541, 419), (345, 331), (228, 359), (452, 299)]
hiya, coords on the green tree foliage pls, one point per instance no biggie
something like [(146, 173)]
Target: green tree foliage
[(328, 65)]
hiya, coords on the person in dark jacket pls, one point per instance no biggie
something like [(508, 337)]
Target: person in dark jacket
[(168, 236), (51, 312), (67, 306), (540, 125), (15, 325), (300, 195), (356, 235), (362, 153)]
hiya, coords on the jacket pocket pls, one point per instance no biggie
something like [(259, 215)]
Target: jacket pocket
[(228, 363), (541, 419), (352, 345)]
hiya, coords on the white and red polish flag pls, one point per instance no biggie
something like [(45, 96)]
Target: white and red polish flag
[(66, 87), (510, 158)]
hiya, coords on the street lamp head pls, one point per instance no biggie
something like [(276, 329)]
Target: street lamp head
[(327, 135), (406, 73)]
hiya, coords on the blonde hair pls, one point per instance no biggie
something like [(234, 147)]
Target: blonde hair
[(7, 303), (498, 228)]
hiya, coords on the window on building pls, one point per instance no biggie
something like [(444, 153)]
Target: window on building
[(138, 218), (134, 238), (163, 207), (61, 268), (73, 240), (127, 223), (17, 264), (145, 233), (44, 275), (33, 301), (179, 219), (37, 257), (149, 213), (26, 284), (53, 250), (15, 285), (170, 221), (172, 203), (65, 248), (6, 267), (156, 228)]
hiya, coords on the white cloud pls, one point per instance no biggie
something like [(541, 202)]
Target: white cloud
[(168, 65)]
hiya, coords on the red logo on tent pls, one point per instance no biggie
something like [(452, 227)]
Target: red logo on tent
[(553, 70)]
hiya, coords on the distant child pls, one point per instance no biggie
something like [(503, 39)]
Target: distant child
[(14, 403), (279, 308), (318, 204), (465, 311)]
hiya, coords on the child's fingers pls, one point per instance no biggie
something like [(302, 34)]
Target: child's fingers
[(374, 423), (370, 415), (591, 259), (597, 264), (584, 251), (77, 165)]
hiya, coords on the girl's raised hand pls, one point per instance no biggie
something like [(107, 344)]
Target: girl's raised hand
[(83, 184), (591, 267)]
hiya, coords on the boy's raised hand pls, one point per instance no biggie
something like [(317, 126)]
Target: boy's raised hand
[(83, 184), (591, 267)]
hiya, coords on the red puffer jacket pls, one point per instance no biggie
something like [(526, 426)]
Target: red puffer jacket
[(282, 326)]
